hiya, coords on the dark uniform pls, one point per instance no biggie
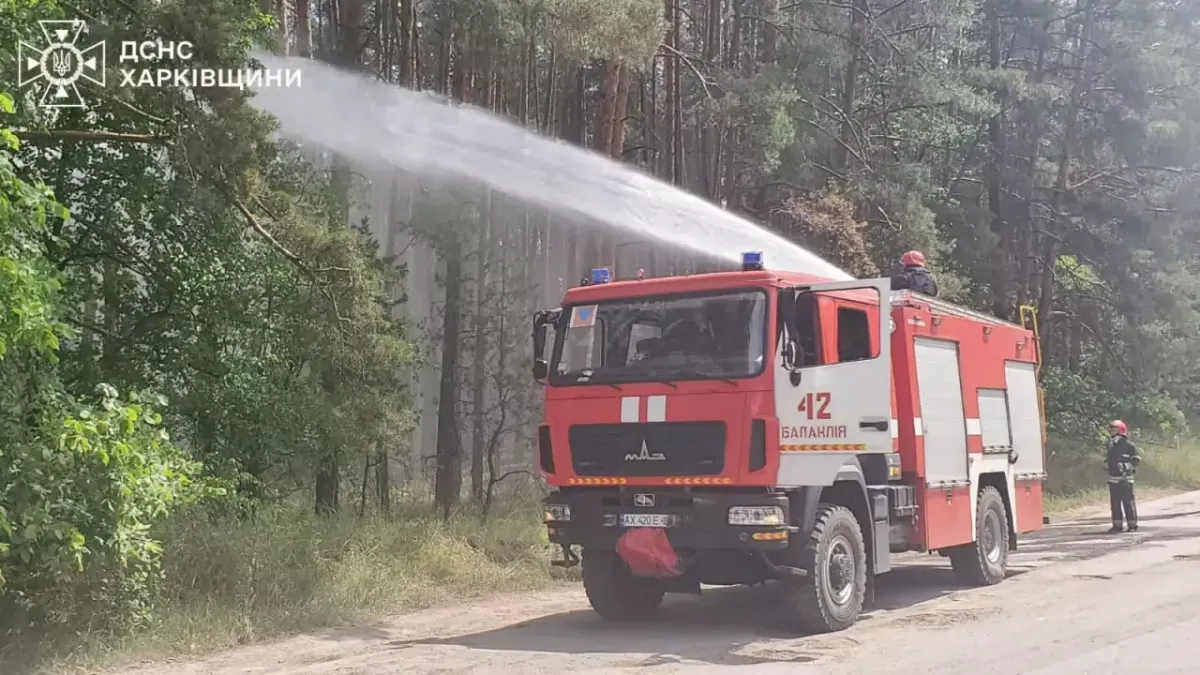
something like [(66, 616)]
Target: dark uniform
[(915, 279), (916, 276), (1122, 461)]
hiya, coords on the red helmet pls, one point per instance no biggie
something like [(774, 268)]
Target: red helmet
[(913, 259), (1118, 427)]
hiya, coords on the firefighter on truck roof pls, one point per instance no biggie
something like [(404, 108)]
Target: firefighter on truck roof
[(915, 277), (1122, 461)]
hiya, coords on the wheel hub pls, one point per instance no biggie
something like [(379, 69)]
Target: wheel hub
[(991, 537), (839, 574)]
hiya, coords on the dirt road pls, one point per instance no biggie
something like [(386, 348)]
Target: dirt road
[(1077, 602)]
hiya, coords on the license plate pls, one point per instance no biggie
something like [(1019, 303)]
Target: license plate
[(646, 520)]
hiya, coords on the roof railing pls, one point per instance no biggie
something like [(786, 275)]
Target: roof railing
[(944, 307)]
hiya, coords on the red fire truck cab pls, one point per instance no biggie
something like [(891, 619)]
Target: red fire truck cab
[(744, 426)]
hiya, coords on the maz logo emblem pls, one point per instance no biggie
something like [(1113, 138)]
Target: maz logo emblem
[(643, 500), (645, 455)]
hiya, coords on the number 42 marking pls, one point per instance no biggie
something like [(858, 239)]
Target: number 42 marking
[(815, 405)]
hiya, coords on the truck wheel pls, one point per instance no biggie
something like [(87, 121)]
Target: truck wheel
[(835, 556), (614, 592), (985, 562)]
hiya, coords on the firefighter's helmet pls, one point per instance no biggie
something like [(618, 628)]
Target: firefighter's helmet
[(913, 259), (1118, 428)]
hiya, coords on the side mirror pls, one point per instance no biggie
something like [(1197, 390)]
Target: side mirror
[(541, 369)]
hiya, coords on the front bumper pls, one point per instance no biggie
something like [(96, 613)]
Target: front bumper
[(700, 519)]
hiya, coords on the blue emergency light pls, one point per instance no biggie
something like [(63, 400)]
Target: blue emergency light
[(600, 275), (752, 261)]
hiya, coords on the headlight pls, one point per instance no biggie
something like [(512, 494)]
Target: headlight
[(756, 515), (557, 512)]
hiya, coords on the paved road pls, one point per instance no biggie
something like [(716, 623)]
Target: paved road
[(1078, 602)]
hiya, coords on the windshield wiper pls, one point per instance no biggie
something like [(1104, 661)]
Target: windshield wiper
[(587, 379), (699, 374)]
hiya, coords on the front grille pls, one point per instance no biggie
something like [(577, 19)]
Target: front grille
[(649, 449)]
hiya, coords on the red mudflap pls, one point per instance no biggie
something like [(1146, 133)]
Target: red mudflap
[(648, 553)]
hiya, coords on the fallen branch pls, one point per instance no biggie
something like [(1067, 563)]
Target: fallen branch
[(687, 60), (90, 136), (262, 232), (1115, 173), (292, 257)]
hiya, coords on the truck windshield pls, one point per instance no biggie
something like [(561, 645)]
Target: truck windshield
[(682, 337)]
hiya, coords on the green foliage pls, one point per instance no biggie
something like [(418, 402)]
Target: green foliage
[(29, 283), (628, 31), (80, 486), (285, 569), (213, 266), (232, 581), (1079, 408)]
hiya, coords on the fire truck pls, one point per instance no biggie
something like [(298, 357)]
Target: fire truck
[(752, 425)]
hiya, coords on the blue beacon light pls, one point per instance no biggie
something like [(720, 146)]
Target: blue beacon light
[(752, 261), (600, 275)]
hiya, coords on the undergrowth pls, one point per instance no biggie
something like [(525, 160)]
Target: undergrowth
[(232, 582), (1077, 477), (286, 570)]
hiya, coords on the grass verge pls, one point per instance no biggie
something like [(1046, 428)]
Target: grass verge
[(286, 571), (1077, 479)]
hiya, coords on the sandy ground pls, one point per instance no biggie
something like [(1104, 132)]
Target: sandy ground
[(1077, 602)]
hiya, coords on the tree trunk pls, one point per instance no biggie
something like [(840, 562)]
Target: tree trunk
[(408, 43), (668, 139), (478, 399), (708, 137), (732, 59), (608, 107), (1002, 271), (448, 479), (1026, 232), (110, 352), (303, 30), (1079, 90), (620, 112), (770, 35), (677, 175), (858, 15), (328, 477), (327, 484)]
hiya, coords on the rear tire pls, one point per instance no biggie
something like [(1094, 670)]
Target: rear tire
[(614, 592), (831, 597), (985, 562)]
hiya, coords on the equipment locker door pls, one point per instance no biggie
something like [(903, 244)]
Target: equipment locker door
[(941, 430), (943, 420), (1025, 419), (829, 410)]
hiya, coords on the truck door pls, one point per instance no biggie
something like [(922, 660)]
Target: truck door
[(833, 400)]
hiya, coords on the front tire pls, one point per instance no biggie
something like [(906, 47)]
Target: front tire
[(985, 562), (831, 597), (614, 592)]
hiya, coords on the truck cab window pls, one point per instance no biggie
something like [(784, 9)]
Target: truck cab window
[(716, 335), (583, 348), (853, 335), (808, 332)]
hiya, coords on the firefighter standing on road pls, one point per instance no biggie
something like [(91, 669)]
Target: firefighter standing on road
[(1122, 460), (916, 276)]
